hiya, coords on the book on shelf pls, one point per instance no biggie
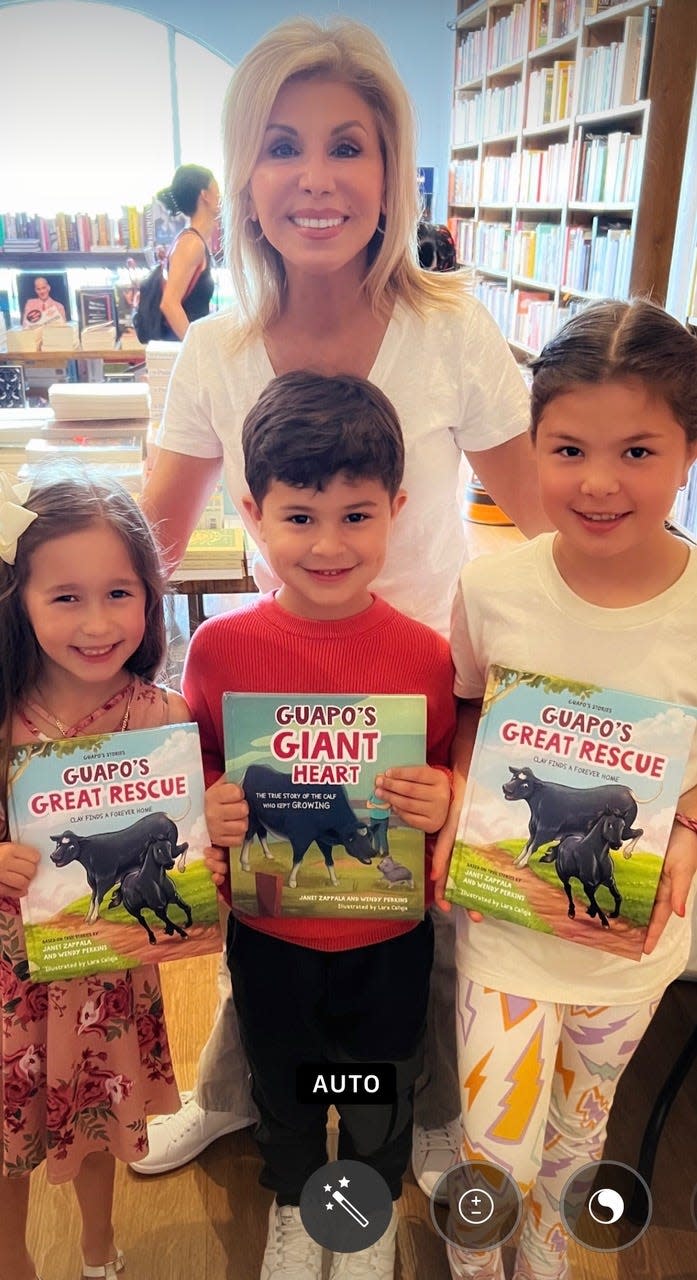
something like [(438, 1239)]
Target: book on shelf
[(96, 306), (319, 841), (117, 819), (540, 24), (570, 784)]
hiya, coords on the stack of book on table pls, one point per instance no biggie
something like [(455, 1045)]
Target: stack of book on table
[(23, 340), (59, 337), (216, 549), (103, 400), (159, 361)]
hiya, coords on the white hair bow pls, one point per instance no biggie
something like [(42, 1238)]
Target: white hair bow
[(13, 517)]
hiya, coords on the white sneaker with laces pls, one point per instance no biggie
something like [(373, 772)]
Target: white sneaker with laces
[(290, 1253), (175, 1140), (466, 1265), (375, 1263), (433, 1152)]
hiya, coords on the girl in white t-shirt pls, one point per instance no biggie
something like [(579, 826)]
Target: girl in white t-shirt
[(545, 1026)]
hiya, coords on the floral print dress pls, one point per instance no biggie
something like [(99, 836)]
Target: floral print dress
[(82, 1061)]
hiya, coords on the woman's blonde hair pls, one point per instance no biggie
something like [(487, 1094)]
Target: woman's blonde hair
[(350, 52)]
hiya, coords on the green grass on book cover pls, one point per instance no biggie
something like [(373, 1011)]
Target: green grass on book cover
[(118, 822), (319, 842), (569, 807)]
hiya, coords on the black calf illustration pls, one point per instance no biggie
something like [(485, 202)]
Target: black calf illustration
[(150, 887), (587, 858)]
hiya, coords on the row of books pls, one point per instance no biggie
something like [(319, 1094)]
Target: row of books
[(502, 109), (499, 179), (535, 317), (491, 870), (74, 232), (550, 94), (617, 74), (506, 39), (610, 168), (598, 259), (470, 57), (544, 174), (535, 250), (467, 118), (463, 179), (133, 228), (553, 19)]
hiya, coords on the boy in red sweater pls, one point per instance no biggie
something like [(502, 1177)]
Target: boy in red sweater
[(324, 460)]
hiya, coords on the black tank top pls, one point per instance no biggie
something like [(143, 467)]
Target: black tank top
[(196, 303)]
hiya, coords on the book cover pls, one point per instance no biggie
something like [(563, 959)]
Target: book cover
[(319, 842), (118, 821), (569, 807), (97, 307)]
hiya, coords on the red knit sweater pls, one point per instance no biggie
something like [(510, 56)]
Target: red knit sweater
[(264, 649)]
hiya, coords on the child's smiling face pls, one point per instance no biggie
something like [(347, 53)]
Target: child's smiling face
[(611, 458), (86, 605), (326, 545)]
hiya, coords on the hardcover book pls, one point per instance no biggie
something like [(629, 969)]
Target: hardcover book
[(319, 841), (569, 806), (118, 821)]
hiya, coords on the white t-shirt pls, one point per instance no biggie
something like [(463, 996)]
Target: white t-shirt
[(516, 610), (455, 386)]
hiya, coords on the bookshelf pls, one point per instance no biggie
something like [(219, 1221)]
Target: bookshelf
[(569, 128)]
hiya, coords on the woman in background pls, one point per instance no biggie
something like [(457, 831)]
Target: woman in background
[(188, 277)]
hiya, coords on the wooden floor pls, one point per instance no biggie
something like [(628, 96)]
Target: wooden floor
[(208, 1220)]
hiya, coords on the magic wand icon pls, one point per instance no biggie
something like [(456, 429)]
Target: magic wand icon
[(349, 1208)]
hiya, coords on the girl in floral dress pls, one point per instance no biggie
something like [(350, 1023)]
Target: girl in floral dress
[(84, 1061)]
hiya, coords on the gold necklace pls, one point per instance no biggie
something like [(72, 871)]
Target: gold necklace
[(68, 731)]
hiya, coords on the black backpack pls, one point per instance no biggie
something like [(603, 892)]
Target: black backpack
[(147, 318)]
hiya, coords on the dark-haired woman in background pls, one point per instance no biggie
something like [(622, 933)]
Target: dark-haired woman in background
[(188, 277)]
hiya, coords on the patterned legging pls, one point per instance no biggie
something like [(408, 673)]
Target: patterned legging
[(537, 1082)]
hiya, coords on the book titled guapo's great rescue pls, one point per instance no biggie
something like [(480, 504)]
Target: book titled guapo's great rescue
[(319, 841), (118, 821), (569, 806)]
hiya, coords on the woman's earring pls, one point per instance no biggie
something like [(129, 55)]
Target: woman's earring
[(380, 229), (254, 222)]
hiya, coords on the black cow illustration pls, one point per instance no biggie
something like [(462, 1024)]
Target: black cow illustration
[(107, 855), (558, 810), (336, 824), (149, 886), (587, 858)]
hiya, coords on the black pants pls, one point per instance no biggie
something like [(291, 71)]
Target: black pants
[(298, 1005)]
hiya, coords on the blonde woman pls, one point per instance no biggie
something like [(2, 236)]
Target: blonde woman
[(321, 213)]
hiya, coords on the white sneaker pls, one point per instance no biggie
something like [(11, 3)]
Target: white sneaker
[(466, 1265), (375, 1263), (290, 1253), (175, 1140), (433, 1152)]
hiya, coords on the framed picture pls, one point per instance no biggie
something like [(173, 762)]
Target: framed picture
[(43, 297), (12, 391)]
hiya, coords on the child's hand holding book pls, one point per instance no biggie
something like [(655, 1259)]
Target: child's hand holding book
[(419, 795), (226, 813), (18, 865)]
